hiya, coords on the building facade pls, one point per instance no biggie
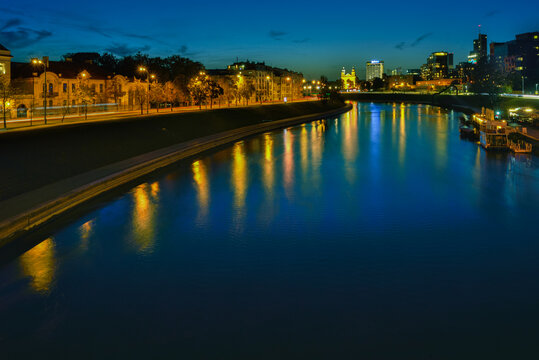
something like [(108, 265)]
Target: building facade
[(437, 66), (5, 62), (64, 88), (374, 69), (348, 80), (269, 83)]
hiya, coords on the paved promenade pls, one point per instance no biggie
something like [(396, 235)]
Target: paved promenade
[(31, 123)]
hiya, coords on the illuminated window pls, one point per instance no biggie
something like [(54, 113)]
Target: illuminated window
[(2, 69)]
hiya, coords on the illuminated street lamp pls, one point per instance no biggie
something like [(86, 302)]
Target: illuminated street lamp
[(45, 64), (268, 88), (142, 69)]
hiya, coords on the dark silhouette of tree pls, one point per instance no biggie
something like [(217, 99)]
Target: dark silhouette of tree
[(377, 83), (214, 91)]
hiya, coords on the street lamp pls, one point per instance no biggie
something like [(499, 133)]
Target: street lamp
[(268, 87), (291, 88), (142, 69), (152, 77), (37, 62)]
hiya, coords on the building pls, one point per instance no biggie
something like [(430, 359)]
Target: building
[(498, 53), (269, 83), (64, 87), (520, 55), (5, 61), (437, 66), (374, 69), (480, 47), (396, 71), (348, 80)]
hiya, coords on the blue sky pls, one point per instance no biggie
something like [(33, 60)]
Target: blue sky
[(314, 37)]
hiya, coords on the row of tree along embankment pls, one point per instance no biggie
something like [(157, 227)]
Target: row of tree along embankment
[(464, 103), (48, 170)]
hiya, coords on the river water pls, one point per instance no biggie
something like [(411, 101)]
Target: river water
[(377, 234)]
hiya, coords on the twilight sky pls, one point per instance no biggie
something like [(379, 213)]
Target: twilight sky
[(314, 37)]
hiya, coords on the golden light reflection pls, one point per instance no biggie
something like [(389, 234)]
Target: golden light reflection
[(85, 231), (200, 176), (317, 144), (155, 190), (39, 263), (269, 172), (144, 217), (304, 152), (288, 162), (402, 135), (394, 124), (350, 145), (239, 183)]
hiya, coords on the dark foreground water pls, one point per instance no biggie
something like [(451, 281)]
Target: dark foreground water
[(375, 235)]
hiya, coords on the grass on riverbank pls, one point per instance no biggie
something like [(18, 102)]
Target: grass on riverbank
[(32, 159)]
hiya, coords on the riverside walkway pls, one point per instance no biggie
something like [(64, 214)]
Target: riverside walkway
[(32, 123)]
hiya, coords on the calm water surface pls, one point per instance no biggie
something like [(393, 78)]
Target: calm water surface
[(378, 235)]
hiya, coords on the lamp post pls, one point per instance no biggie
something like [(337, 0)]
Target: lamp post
[(37, 62), (152, 77), (268, 87), (142, 69)]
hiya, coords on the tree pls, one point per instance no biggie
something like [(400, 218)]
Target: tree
[(84, 93), (229, 89), (214, 91), (377, 83), (139, 93), (199, 89), (157, 94), (244, 89), (7, 96), (171, 94)]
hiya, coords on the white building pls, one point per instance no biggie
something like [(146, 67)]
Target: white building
[(374, 69)]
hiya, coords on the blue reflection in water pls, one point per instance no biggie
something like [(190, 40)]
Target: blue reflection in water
[(377, 234)]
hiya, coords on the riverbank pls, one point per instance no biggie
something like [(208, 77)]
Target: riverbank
[(464, 103), (51, 170)]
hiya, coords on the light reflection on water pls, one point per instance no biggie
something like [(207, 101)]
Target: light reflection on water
[(39, 264), (344, 224), (145, 212)]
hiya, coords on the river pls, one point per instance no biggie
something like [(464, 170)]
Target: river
[(376, 234)]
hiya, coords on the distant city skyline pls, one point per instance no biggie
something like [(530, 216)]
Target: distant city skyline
[(304, 36)]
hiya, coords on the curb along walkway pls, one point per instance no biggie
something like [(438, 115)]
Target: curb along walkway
[(24, 212)]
